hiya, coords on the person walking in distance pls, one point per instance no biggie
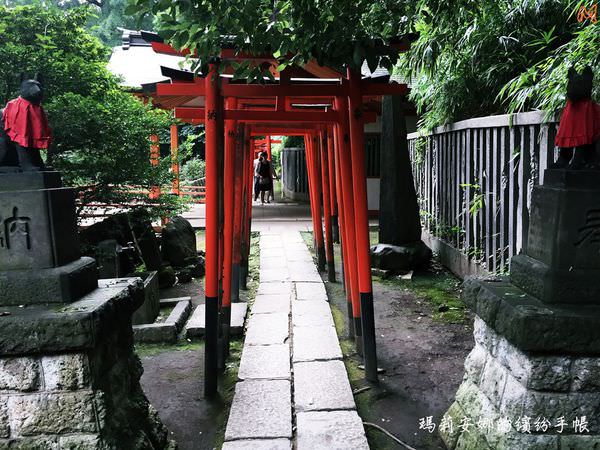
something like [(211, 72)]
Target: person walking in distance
[(256, 176), (265, 177)]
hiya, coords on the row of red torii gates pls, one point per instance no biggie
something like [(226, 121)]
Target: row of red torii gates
[(329, 110)]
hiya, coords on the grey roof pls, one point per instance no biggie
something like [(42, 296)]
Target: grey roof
[(382, 72), (136, 63)]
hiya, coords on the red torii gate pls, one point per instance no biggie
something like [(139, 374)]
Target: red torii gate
[(331, 118)]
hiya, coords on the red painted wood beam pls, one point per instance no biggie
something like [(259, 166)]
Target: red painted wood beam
[(211, 280), (324, 167), (175, 159), (249, 116), (350, 263), (332, 186), (361, 219), (314, 92)]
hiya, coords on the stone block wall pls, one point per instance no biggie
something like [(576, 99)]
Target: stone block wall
[(504, 388), (88, 399)]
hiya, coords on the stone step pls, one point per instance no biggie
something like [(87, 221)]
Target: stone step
[(167, 331), (168, 302), (196, 325)]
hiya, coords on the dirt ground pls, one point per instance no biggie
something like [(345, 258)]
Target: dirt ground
[(421, 350)]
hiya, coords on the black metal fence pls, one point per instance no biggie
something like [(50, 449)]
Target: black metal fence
[(474, 180)]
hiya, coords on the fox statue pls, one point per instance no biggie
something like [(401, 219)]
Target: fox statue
[(24, 128), (578, 137)]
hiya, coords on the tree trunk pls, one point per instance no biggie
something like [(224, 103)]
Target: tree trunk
[(399, 221)]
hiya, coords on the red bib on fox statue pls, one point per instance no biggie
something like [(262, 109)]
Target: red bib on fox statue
[(579, 124), (26, 124)]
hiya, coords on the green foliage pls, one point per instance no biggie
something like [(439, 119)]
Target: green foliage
[(334, 32), (101, 134), (193, 170), (293, 141), (543, 85), (469, 49), (107, 16)]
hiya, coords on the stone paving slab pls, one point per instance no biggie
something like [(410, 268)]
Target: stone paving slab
[(275, 288), (331, 430), (271, 241), (292, 237), (261, 409), (298, 258), (265, 362), (195, 326), (322, 385), (312, 320), (274, 275), (311, 314), (311, 291), (296, 275), (274, 262), (316, 343), (258, 444), (276, 303), (295, 247), (270, 252), (268, 329)]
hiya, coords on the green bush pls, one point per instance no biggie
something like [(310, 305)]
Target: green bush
[(193, 170)]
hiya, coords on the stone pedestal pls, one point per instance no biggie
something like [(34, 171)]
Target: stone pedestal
[(532, 380), (69, 378), (39, 245)]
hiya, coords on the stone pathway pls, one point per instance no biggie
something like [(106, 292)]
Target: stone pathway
[(293, 389)]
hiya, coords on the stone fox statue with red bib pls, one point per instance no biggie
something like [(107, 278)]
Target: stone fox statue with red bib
[(24, 128), (578, 137)]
